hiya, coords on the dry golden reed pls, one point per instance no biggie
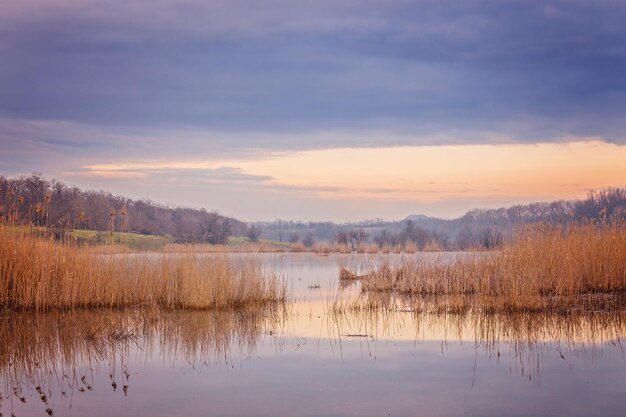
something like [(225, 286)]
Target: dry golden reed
[(42, 274), (322, 248), (298, 247), (542, 268), (330, 247), (346, 274), (260, 247)]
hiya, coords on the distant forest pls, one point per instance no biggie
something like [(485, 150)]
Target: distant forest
[(41, 201), (486, 228), (55, 204)]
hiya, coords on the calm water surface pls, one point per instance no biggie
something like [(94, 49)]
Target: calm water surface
[(306, 361)]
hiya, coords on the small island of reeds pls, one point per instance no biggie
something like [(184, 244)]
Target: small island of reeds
[(575, 267)]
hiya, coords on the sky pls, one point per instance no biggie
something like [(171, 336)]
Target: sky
[(317, 110)]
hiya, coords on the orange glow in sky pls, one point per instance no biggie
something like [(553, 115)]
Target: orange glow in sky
[(421, 174)]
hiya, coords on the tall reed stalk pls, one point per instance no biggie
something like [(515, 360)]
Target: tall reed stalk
[(543, 267), (43, 274)]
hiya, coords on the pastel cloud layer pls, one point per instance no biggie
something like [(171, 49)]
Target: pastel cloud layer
[(324, 109), (440, 180)]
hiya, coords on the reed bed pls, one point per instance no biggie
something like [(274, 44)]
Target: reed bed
[(322, 248), (431, 246), (41, 274), (330, 247), (410, 247), (206, 248), (371, 248), (580, 266), (298, 247)]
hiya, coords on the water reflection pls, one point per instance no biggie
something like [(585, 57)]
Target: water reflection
[(57, 354), (520, 338), (313, 359), (49, 362)]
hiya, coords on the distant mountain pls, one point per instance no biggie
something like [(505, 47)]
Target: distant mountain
[(420, 217)]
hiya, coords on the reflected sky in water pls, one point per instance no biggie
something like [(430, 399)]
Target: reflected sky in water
[(308, 361)]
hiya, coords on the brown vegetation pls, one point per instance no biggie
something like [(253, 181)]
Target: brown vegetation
[(578, 267), (41, 274), (298, 247), (247, 247), (50, 203), (346, 274), (331, 247)]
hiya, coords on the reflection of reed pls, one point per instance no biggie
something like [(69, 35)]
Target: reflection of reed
[(62, 349), (484, 328), (520, 337), (200, 337)]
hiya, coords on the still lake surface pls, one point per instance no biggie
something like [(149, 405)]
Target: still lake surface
[(306, 361)]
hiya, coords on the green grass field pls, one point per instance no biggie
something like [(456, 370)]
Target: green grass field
[(141, 242)]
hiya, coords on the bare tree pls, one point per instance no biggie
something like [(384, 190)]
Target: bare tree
[(253, 232), (61, 207), (294, 237), (342, 237), (308, 240)]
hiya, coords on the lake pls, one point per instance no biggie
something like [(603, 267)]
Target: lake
[(308, 360)]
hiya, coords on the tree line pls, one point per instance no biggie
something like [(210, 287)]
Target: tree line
[(39, 201), (484, 228)]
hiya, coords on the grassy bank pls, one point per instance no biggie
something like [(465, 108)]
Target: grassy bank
[(543, 268), (105, 242), (128, 240), (41, 274)]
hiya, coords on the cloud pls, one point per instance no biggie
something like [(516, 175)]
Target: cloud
[(531, 70), (131, 89), (53, 145), (171, 174)]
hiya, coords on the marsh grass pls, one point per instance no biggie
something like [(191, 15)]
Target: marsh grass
[(371, 248), (330, 247), (543, 268), (298, 247), (234, 245), (347, 275), (42, 274)]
